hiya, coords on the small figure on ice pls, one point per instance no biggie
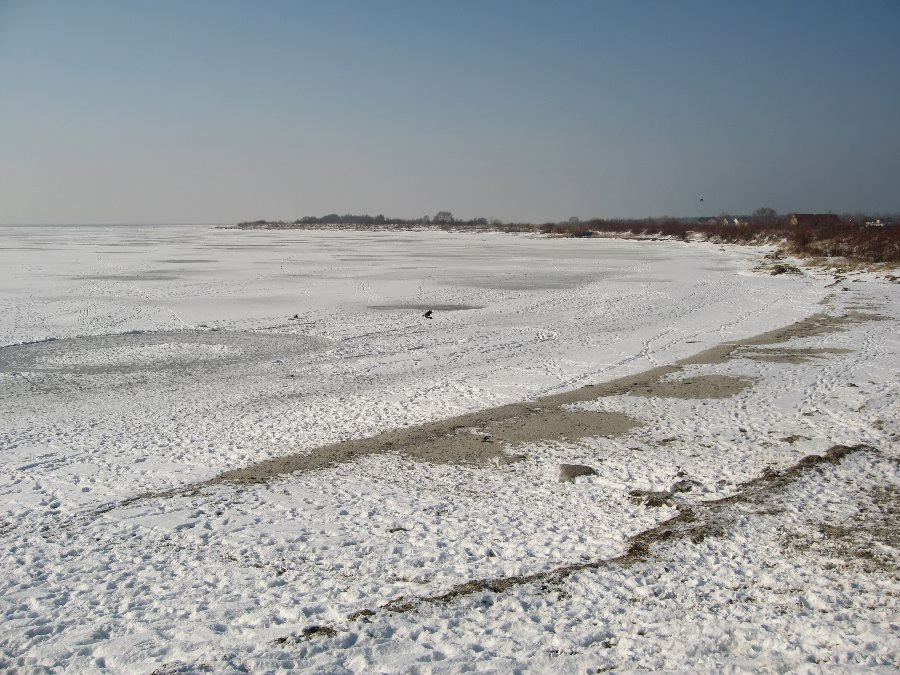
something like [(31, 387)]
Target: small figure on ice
[(427, 314)]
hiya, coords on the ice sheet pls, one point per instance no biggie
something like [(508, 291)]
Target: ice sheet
[(137, 361)]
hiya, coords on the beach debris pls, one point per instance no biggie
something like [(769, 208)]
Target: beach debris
[(306, 635), (569, 472), (652, 498), (784, 268), (685, 485)]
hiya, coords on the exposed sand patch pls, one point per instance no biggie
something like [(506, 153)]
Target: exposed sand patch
[(475, 438), (554, 424), (795, 356), (486, 436), (706, 386)]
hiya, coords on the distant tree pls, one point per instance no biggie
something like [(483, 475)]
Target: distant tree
[(443, 217), (765, 216), (574, 220)]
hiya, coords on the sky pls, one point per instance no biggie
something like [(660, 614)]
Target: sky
[(126, 111)]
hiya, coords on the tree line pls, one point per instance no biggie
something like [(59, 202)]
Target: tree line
[(439, 218), (863, 237)]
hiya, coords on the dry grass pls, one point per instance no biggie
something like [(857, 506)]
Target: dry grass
[(853, 243), (850, 241)]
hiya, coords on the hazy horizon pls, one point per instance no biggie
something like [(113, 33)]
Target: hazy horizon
[(219, 112)]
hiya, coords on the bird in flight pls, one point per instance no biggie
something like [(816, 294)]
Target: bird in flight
[(427, 314)]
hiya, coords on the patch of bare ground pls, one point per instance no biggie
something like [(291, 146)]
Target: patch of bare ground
[(491, 435), (775, 268), (653, 498), (475, 438), (705, 386), (693, 522), (307, 634), (785, 355)]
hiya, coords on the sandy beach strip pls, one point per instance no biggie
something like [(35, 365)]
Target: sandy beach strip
[(493, 434)]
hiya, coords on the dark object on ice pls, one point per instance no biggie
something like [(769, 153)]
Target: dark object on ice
[(296, 316), (427, 314), (569, 472)]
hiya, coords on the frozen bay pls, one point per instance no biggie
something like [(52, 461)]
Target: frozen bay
[(136, 362)]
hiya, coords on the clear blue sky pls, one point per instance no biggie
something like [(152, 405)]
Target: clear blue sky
[(123, 111)]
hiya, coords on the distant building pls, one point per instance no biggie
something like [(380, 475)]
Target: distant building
[(814, 220)]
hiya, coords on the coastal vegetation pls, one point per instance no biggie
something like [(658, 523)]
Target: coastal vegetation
[(859, 238)]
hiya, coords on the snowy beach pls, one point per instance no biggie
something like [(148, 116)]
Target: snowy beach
[(230, 451)]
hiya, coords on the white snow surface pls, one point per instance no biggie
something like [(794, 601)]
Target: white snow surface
[(138, 360)]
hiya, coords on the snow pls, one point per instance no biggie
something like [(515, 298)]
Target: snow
[(139, 363)]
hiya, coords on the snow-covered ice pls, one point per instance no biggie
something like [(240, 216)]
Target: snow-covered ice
[(138, 363)]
